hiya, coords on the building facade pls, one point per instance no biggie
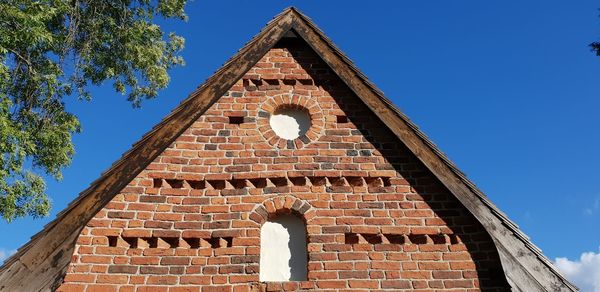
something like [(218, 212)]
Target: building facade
[(287, 170)]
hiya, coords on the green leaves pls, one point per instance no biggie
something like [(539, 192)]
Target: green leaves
[(53, 49), (595, 48), (22, 191)]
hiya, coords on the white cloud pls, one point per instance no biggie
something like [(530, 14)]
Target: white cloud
[(585, 272), (593, 208), (5, 253)]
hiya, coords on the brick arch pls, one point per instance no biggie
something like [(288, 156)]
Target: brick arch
[(280, 205), (291, 100)]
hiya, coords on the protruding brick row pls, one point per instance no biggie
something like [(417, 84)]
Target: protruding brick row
[(378, 238), (351, 181), (169, 242)]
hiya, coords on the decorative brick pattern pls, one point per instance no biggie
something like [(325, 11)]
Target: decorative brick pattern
[(282, 184), (400, 238), (291, 100), (376, 218), (281, 205), (171, 239)]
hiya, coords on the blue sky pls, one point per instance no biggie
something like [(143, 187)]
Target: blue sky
[(507, 89)]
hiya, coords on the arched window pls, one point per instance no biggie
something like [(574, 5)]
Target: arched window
[(283, 255)]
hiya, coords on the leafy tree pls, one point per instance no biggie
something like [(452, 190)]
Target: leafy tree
[(54, 49), (595, 47)]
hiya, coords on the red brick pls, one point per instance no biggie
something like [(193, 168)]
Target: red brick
[(331, 284), (184, 289), (368, 284), (68, 287), (217, 289), (198, 280), (101, 288), (175, 261), (458, 284), (112, 279), (162, 280), (396, 284), (433, 266)]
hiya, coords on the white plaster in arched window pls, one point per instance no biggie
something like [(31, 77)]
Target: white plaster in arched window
[(283, 255), (290, 123)]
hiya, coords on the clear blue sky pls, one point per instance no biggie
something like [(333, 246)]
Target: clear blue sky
[(507, 89)]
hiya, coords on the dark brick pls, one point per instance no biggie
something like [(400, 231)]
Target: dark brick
[(153, 199), (352, 153), (122, 269), (245, 259)]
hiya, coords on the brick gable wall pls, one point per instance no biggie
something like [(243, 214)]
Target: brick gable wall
[(376, 218)]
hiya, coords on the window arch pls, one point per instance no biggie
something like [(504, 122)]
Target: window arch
[(283, 252)]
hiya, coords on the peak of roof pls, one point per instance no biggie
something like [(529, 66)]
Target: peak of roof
[(44, 259)]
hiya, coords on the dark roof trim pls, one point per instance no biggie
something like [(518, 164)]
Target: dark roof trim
[(43, 260)]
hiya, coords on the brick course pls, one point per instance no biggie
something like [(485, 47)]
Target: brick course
[(376, 218)]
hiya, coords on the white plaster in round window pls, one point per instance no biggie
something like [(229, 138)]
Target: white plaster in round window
[(290, 123)]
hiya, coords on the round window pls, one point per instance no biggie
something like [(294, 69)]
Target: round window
[(290, 123)]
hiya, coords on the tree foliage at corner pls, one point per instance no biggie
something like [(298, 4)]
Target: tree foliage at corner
[(595, 47), (54, 49)]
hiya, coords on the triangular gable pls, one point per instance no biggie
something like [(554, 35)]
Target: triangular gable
[(44, 259)]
